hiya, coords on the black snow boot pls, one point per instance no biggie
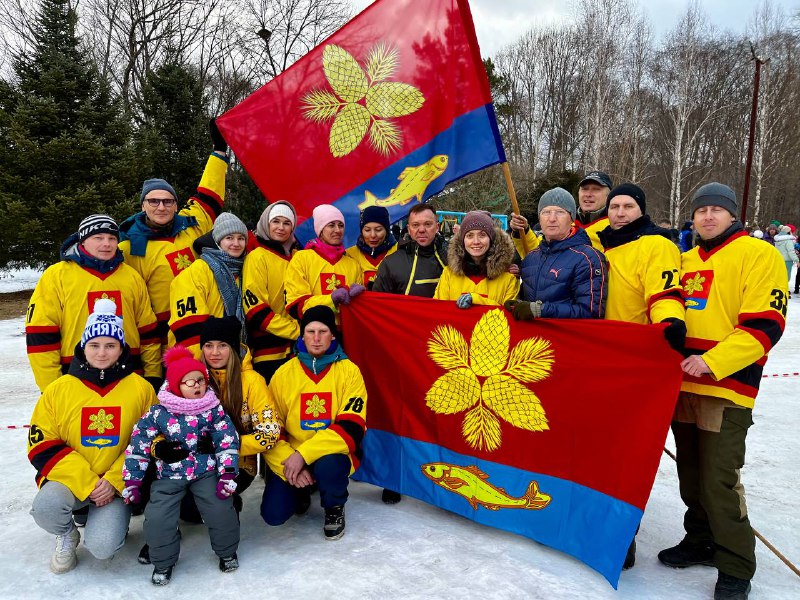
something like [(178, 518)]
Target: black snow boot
[(334, 522), (231, 563), (144, 555), (390, 497), (161, 576), (731, 588), (687, 554), (303, 502)]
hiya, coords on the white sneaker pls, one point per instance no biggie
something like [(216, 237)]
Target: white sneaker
[(65, 558)]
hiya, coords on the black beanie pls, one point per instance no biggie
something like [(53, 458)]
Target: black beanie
[(225, 329), (375, 214), (323, 314), (629, 189)]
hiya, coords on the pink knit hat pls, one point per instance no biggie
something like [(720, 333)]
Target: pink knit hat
[(324, 214), (180, 361)]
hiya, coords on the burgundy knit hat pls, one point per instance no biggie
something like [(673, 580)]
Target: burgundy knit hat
[(180, 361), (478, 219)]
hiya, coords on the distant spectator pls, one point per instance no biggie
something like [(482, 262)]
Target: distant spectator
[(686, 237)]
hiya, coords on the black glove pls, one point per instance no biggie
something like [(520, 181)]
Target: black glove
[(219, 143), (205, 445), (675, 334), (170, 452)]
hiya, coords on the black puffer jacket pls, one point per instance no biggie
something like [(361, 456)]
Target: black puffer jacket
[(412, 270)]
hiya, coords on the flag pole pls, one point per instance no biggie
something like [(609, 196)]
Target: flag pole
[(514, 204)]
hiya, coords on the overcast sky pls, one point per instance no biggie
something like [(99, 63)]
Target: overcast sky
[(499, 22)]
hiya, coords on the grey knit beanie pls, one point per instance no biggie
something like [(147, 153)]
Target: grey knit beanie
[(716, 194), (226, 224), (557, 197)]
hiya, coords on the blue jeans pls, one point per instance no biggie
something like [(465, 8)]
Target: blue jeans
[(332, 474)]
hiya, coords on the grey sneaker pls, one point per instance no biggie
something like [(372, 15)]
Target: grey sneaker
[(334, 522), (65, 558)]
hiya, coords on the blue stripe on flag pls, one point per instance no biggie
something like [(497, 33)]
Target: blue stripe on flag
[(472, 143), (589, 525)]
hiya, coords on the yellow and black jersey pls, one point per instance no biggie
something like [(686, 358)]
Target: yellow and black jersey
[(79, 431), (160, 258), (369, 264), (60, 305), (321, 414), (644, 281), (310, 280), (271, 331), (736, 300)]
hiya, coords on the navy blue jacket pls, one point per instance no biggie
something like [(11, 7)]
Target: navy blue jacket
[(569, 276)]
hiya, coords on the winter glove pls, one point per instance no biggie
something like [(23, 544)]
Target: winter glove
[(132, 494), (464, 301), (356, 289), (170, 452), (226, 486), (219, 143), (675, 333), (205, 445), (341, 296), (524, 311)]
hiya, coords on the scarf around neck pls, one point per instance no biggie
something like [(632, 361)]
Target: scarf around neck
[(318, 364), (188, 406), (381, 248), (139, 231), (325, 250), (227, 273), (71, 250)]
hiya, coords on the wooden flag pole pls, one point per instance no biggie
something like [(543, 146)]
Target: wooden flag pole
[(514, 204)]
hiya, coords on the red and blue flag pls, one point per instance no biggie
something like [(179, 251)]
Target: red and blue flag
[(548, 428), (386, 111)]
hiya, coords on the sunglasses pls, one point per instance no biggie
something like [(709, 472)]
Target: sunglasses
[(190, 383), (154, 202)]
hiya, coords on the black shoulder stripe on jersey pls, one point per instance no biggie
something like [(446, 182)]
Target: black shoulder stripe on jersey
[(42, 339), (256, 320), (40, 459), (210, 201), (768, 327), (188, 331), (352, 429)]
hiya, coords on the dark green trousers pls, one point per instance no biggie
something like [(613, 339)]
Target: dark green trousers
[(708, 471)]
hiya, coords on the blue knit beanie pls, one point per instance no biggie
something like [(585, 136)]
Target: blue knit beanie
[(156, 184), (375, 214)]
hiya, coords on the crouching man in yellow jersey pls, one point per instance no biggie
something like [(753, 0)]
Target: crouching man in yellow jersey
[(735, 294), (321, 401)]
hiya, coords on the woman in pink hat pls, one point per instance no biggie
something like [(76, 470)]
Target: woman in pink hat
[(323, 274)]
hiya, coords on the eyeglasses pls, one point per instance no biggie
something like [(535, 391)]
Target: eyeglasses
[(154, 202), (554, 213), (190, 383)]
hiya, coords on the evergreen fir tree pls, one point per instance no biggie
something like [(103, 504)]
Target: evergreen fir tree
[(174, 142), (65, 149)]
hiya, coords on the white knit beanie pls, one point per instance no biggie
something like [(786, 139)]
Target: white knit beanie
[(103, 322)]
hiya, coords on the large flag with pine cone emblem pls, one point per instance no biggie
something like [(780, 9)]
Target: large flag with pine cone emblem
[(386, 111), (552, 429)]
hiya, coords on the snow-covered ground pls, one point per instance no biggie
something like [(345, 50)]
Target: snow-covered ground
[(18, 280), (411, 550)]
